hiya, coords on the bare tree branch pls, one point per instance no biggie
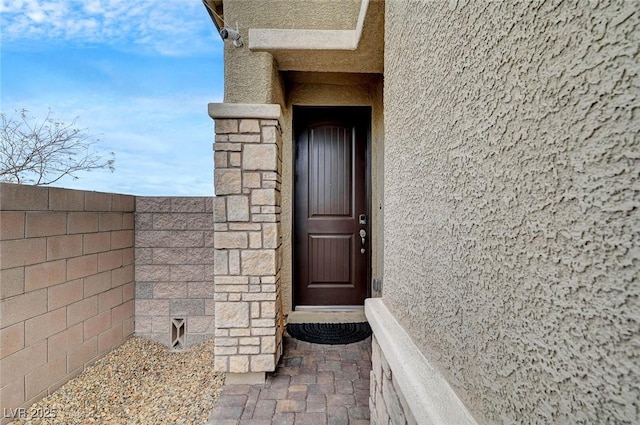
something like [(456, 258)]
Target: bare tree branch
[(43, 152)]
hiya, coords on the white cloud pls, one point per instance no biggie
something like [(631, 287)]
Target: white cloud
[(163, 145), (167, 27)]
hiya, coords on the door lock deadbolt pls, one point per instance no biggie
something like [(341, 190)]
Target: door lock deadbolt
[(362, 218)]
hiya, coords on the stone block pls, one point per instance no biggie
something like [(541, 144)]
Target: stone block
[(96, 325), (185, 204), (269, 134), (64, 247), (152, 273), (220, 209), (122, 203), (122, 313), (45, 325), (200, 221), (64, 294), (143, 325), (237, 208), (45, 224), (96, 201), (144, 290), (122, 276), (200, 290), (226, 126), (22, 252), (220, 159), (169, 221), (255, 240), (230, 240), (186, 307), (128, 221), (239, 364), (44, 274), (268, 344), (82, 266), (110, 339), (263, 363), (109, 260), (235, 159), (169, 290), (201, 324), (249, 126), (240, 332), (12, 225), (82, 354), (11, 339), (22, 307), (128, 291), (109, 299), (62, 342), (82, 222), (110, 221), (152, 204), (18, 197), (146, 307), (82, 310), (66, 200), (260, 157), (221, 262), (251, 180), (249, 349), (122, 239), (268, 309), (38, 380), (225, 351), (187, 273), (227, 147), (270, 235), (228, 181), (258, 262), (231, 314), (96, 242), (244, 138), (12, 282), (234, 262)]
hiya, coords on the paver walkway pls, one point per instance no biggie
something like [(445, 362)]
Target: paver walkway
[(313, 385)]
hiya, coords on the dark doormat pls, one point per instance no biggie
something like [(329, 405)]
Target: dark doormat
[(329, 333)]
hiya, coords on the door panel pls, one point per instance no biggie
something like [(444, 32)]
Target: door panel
[(330, 194)]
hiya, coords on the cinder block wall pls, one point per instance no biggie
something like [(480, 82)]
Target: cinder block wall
[(174, 267), (66, 285)]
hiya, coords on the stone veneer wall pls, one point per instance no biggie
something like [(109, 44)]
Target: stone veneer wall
[(387, 403), (248, 308), (174, 267), (66, 285)]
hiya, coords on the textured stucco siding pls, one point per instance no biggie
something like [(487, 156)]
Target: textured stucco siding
[(512, 220)]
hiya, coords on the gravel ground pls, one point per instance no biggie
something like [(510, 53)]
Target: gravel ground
[(141, 382)]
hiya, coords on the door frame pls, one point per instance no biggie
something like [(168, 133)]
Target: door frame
[(367, 112)]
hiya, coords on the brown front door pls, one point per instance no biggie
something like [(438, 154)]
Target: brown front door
[(331, 263)]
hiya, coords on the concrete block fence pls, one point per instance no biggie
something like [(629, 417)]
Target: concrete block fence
[(66, 285), (174, 269)]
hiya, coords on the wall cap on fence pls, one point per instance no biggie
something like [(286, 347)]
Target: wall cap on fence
[(244, 110)]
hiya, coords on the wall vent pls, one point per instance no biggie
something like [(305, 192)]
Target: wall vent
[(178, 334)]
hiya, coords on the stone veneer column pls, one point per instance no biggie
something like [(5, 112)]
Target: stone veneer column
[(247, 241)]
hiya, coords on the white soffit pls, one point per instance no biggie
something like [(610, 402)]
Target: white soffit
[(301, 39)]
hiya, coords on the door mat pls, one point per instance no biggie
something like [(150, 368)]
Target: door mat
[(329, 333)]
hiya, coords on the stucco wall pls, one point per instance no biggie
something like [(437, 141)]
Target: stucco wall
[(66, 286), (512, 219)]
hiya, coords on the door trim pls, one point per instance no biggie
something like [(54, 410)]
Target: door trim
[(367, 111)]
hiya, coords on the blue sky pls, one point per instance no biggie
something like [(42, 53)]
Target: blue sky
[(138, 75)]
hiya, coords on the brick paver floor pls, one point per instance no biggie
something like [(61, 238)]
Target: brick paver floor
[(313, 385)]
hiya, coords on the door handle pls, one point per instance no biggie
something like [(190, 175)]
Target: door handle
[(363, 235)]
